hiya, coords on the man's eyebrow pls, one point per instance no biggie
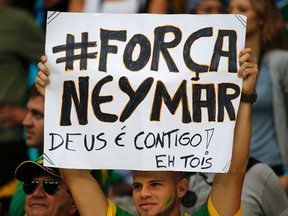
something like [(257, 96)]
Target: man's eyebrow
[(136, 182), (155, 180), (35, 111)]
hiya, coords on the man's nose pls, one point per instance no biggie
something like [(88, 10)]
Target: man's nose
[(27, 120), (146, 191), (39, 191)]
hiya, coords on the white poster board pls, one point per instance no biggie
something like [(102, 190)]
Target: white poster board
[(142, 91)]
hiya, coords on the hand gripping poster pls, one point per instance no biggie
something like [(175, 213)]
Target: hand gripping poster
[(142, 91)]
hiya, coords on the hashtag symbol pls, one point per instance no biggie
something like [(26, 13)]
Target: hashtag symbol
[(71, 46)]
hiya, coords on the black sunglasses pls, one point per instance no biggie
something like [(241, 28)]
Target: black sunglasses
[(50, 186)]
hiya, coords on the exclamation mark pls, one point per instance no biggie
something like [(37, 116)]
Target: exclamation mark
[(209, 133)]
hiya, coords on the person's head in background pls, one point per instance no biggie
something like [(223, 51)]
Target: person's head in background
[(206, 6), (56, 4), (265, 24), (46, 193), (34, 120)]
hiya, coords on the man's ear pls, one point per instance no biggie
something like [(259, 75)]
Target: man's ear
[(183, 187)]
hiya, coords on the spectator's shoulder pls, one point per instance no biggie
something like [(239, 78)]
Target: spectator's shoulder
[(15, 14)]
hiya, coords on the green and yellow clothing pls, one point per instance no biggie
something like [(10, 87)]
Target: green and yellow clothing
[(207, 210)]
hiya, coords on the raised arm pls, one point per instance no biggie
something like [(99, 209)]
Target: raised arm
[(86, 192), (227, 187)]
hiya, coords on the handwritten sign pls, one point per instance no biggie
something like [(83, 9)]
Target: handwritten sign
[(142, 92)]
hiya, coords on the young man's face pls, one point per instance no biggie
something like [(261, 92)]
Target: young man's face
[(34, 122), (157, 193), (40, 203)]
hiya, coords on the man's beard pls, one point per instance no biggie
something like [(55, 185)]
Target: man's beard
[(167, 211), (170, 208)]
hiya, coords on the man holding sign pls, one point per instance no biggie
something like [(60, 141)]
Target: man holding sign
[(164, 94), (160, 192)]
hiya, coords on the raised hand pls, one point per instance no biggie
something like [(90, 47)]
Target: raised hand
[(42, 78)]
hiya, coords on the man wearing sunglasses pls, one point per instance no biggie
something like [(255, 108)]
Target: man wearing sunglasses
[(34, 125), (46, 193)]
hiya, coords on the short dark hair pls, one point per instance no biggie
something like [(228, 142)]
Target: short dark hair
[(183, 175), (32, 91)]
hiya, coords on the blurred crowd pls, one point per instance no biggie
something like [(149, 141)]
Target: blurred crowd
[(22, 43)]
